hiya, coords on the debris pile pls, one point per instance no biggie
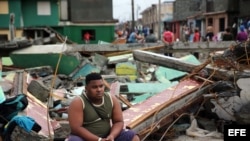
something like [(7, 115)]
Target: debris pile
[(158, 87)]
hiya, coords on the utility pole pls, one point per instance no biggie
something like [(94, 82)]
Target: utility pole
[(159, 20), (133, 15)]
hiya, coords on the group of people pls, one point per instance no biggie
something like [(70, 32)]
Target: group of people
[(136, 35), (227, 35), (195, 36)]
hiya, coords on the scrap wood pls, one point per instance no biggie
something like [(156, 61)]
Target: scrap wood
[(124, 100), (120, 97), (115, 90), (197, 69)]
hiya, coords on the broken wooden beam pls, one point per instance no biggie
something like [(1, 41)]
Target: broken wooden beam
[(162, 60), (175, 63)]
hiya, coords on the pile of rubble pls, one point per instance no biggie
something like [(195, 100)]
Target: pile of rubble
[(48, 94)]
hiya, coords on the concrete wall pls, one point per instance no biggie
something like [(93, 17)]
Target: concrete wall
[(244, 8), (90, 10), (18, 33), (186, 8)]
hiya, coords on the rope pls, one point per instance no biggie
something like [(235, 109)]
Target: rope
[(51, 90)]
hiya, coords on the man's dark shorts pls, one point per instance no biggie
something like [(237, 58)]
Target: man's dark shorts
[(125, 135)]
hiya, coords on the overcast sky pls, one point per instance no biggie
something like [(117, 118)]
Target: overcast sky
[(122, 9)]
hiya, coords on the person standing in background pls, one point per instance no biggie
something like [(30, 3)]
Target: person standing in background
[(242, 35), (186, 34), (227, 35), (151, 38), (196, 38), (210, 34), (86, 37), (145, 31), (168, 40)]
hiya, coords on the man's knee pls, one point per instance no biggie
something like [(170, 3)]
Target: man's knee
[(74, 138), (127, 135), (136, 138)]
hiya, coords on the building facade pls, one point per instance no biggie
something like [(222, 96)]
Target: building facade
[(152, 19), (69, 18), (219, 14)]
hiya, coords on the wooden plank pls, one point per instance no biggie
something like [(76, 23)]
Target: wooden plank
[(161, 104), (162, 60), (175, 63)]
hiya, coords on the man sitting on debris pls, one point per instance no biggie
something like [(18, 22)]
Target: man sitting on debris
[(96, 115)]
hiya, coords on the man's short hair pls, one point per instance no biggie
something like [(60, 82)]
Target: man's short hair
[(92, 76)]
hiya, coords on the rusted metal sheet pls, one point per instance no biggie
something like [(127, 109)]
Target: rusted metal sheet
[(141, 116)]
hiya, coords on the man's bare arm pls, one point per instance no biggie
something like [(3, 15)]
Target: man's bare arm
[(117, 118), (76, 118)]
